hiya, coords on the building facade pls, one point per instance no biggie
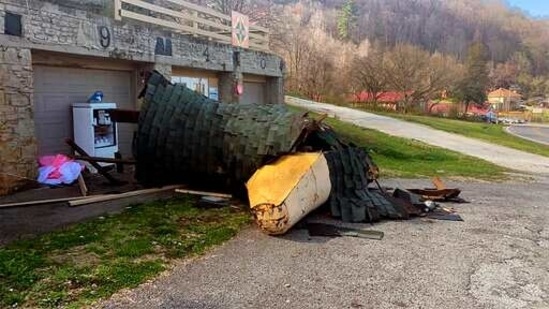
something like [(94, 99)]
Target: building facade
[(58, 52)]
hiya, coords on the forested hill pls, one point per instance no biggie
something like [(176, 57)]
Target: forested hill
[(517, 46), (440, 25)]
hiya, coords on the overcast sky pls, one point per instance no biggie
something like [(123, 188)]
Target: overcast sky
[(537, 8)]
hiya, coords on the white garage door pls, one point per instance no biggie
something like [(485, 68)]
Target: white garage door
[(57, 88), (254, 92)]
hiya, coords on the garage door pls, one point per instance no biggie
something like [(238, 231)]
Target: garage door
[(56, 89), (254, 92)]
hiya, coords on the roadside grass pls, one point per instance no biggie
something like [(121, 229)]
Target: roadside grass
[(401, 157), (92, 260), (493, 133)]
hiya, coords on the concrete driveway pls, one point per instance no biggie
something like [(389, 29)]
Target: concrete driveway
[(538, 134), (500, 155), (497, 258)]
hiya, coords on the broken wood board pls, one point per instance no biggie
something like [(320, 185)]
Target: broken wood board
[(204, 193), (114, 197), (39, 202)]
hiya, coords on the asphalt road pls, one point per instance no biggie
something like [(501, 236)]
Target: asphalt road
[(500, 155), (497, 258), (538, 134)]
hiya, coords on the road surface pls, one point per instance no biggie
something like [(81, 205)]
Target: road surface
[(539, 134), (498, 258), (500, 155)]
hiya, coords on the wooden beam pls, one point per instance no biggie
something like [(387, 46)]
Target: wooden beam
[(174, 25), (99, 168), (40, 202), (105, 160), (117, 9), (82, 185), (113, 197), (201, 9), (163, 10), (124, 115), (204, 193)]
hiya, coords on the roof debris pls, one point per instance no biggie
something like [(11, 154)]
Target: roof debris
[(289, 163)]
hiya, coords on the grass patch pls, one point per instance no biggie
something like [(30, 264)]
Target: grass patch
[(93, 260), (492, 133), (400, 157)]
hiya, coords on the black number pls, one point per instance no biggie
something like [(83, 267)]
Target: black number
[(206, 54), (263, 63), (104, 36)]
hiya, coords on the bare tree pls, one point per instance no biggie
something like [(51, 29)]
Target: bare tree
[(418, 75), (369, 74)]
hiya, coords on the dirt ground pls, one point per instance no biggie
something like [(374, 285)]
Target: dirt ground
[(497, 258)]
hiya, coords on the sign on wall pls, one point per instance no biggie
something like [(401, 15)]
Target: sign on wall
[(240, 30)]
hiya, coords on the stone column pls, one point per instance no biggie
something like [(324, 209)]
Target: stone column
[(18, 147), (275, 90), (228, 81)]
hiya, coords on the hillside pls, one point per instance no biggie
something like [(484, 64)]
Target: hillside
[(318, 38)]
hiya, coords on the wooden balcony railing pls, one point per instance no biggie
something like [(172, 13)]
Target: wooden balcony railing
[(189, 18)]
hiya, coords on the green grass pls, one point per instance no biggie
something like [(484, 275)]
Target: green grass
[(400, 157), (493, 133), (93, 260)]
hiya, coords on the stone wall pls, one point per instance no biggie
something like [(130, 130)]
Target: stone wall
[(17, 136), (49, 26), (86, 28)]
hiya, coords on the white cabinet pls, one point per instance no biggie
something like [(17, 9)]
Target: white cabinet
[(94, 131)]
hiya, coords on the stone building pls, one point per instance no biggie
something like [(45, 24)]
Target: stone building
[(58, 52)]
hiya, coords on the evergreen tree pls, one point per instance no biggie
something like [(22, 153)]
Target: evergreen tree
[(472, 88), (346, 21)]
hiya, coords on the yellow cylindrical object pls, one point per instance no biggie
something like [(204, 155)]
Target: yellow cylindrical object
[(284, 192)]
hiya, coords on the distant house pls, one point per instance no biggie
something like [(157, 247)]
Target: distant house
[(504, 99), (444, 108), (387, 99)]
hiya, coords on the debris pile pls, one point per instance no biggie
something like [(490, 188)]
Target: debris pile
[(291, 163), (186, 137)]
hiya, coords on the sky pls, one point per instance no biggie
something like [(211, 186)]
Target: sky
[(536, 8)]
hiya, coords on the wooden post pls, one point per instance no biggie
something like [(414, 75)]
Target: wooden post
[(195, 24), (99, 168), (117, 9)]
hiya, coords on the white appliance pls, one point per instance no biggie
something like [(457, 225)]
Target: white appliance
[(94, 131)]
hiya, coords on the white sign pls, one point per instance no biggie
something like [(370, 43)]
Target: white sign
[(214, 93)]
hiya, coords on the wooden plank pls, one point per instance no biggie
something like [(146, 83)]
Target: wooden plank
[(117, 9), (162, 10), (173, 25), (113, 197), (260, 28), (82, 185), (204, 193), (50, 201), (105, 160), (99, 168), (201, 9), (438, 183)]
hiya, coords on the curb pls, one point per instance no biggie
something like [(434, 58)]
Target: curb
[(524, 137)]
